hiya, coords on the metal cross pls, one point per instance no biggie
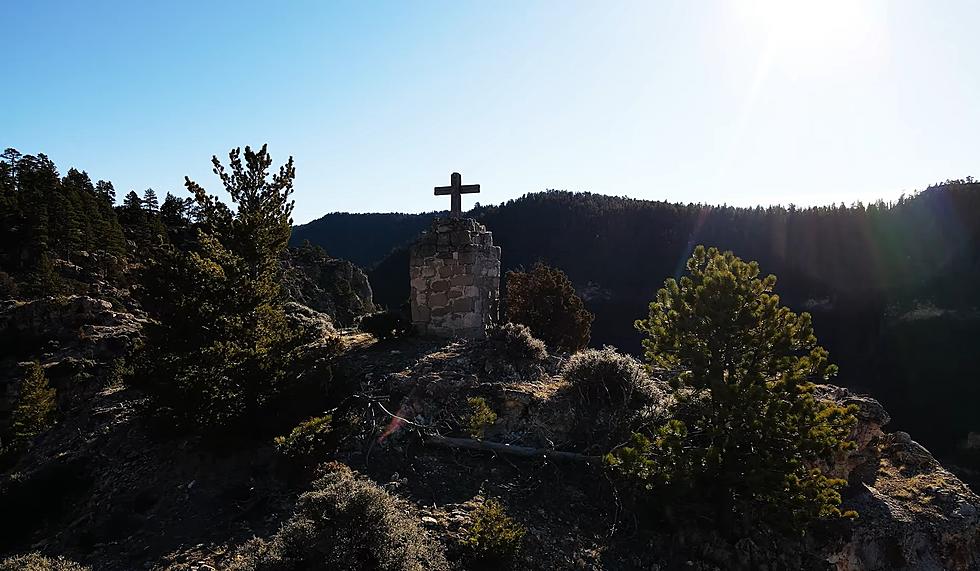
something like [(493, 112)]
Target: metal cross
[(456, 189)]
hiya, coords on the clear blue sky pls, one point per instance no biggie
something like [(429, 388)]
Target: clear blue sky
[(743, 102)]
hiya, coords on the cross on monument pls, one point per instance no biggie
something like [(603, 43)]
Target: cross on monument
[(456, 189)]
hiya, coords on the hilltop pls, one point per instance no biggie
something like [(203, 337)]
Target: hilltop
[(893, 288)]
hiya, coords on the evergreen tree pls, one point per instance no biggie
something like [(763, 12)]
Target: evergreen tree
[(141, 223), (176, 218), (150, 202), (752, 434), (220, 346), (545, 300), (132, 204), (36, 406), (11, 216), (106, 191)]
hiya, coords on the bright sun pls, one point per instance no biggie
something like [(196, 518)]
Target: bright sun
[(815, 35)]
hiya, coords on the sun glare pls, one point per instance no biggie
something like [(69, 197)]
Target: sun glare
[(816, 36)]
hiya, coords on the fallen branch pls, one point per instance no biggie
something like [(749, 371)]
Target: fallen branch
[(500, 448)]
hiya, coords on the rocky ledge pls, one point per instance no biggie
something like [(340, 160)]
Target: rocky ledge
[(74, 338), (914, 514)]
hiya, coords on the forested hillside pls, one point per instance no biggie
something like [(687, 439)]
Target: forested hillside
[(179, 389), (894, 288), (376, 234)]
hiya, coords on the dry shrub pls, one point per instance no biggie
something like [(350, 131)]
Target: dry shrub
[(37, 562), (344, 522), (515, 341), (604, 377)]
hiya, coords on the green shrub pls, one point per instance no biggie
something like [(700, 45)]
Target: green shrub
[(544, 300), (313, 438), (515, 341), (386, 325), (494, 537), (36, 406), (37, 562), (751, 436), (344, 522), (481, 416), (605, 377)]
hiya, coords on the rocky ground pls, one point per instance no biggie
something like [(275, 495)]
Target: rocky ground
[(106, 488)]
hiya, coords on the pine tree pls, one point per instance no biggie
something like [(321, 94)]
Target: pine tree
[(11, 215), (106, 191), (141, 223), (150, 202), (221, 343), (132, 204), (175, 217), (753, 435), (36, 406)]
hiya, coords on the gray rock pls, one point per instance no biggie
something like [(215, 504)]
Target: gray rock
[(328, 285)]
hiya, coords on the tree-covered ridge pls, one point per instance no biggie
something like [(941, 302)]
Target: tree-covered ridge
[(44, 216), (376, 234), (829, 249), (59, 234)]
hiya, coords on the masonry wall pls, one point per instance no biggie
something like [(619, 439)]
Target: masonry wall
[(455, 273)]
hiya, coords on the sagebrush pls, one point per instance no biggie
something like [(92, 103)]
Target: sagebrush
[(516, 342), (345, 522)]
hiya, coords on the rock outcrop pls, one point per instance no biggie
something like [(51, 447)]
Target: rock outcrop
[(913, 513), (71, 336), (328, 285)]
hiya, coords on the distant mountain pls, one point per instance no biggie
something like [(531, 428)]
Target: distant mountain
[(364, 239), (893, 288)]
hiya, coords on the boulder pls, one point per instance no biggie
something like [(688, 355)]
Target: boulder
[(73, 337), (332, 286), (912, 512)]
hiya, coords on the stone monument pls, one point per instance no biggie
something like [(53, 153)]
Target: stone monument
[(455, 272)]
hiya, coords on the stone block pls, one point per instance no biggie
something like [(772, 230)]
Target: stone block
[(438, 300), (461, 280), (439, 286), (428, 272), (439, 311), (454, 293), (472, 320), (445, 271), (420, 284), (460, 237), (463, 304), (420, 313)]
